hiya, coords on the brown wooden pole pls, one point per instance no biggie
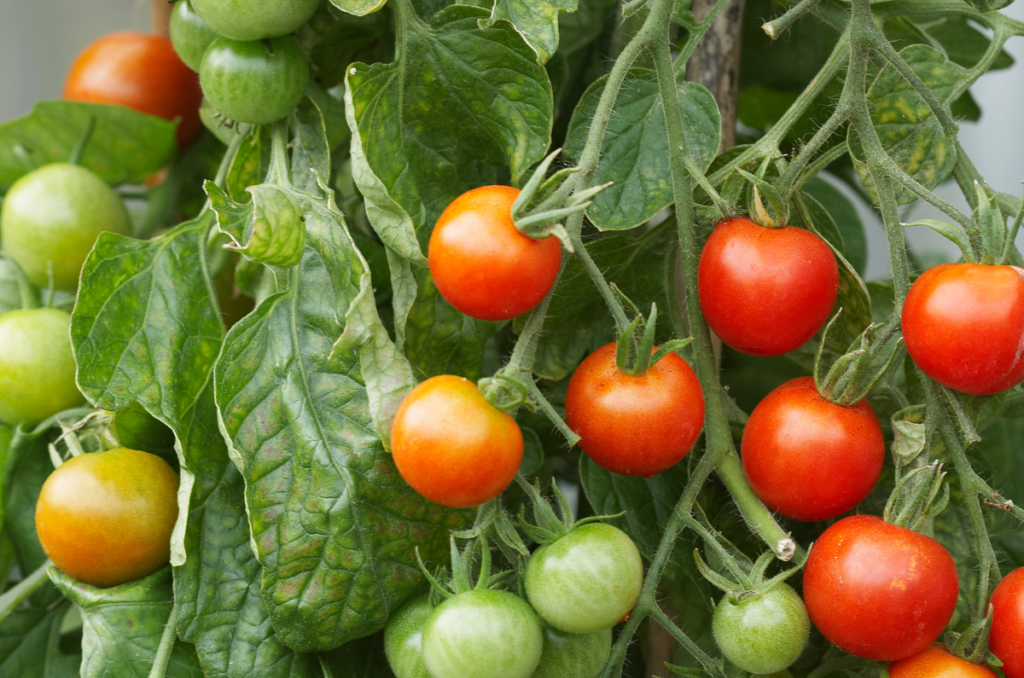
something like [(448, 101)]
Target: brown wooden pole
[(160, 17)]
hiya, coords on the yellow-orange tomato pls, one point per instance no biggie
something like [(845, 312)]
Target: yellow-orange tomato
[(106, 518), (452, 446), (935, 662)]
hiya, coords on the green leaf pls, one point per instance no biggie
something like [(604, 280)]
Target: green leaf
[(122, 627), (29, 643), (363, 658), (844, 215), (535, 20), (635, 154), (267, 229), (126, 147)]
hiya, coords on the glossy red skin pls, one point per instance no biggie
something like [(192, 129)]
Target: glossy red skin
[(635, 425), (142, 72), (935, 662), (1007, 638), (810, 459), (879, 591), (452, 446), (766, 291), (482, 265), (964, 326)]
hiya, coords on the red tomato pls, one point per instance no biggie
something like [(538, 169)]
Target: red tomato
[(810, 459), (1007, 638), (766, 291), (452, 446), (635, 425), (879, 591), (485, 267), (139, 71), (935, 662), (964, 326)]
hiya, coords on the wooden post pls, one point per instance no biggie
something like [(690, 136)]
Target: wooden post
[(716, 63), (160, 17)]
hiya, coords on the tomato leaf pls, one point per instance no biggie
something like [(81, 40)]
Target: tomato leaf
[(29, 643), (535, 20), (844, 214)]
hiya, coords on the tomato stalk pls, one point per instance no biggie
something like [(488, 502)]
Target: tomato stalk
[(17, 594), (167, 640)]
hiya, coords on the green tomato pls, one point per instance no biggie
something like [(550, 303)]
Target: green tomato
[(571, 655), (37, 369), (484, 634), (587, 580), (765, 633), (252, 81), (403, 638), (189, 34), (255, 19), (54, 215)]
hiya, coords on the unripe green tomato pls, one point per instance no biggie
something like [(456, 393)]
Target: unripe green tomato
[(403, 638), (37, 369), (253, 82), (255, 19), (572, 655), (55, 214), (189, 34), (587, 580), (764, 633)]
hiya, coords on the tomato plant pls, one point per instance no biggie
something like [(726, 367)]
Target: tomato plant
[(762, 633), (1007, 640), (934, 662), (573, 655), (189, 34), (247, 20)]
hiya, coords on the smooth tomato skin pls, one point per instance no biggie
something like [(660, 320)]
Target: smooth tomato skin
[(142, 72), (586, 581), (482, 265), (106, 518), (766, 291), (879, 591), (452, 446), (964, 326), (810, 459), (1007, 638), (573, 655), (484, 634), (54, 215), (935, 662), (763, 634), (255, 19), (403, 638), (635, 425), (37, 368), (189, 34)]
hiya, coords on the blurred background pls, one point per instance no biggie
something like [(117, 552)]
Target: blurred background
[(39, 40)]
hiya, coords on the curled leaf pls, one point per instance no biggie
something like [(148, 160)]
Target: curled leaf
[(269, 229)]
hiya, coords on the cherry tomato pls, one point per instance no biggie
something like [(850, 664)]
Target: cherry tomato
[(587, 580), (635, 425), (403, 638), (189, 34), (52, 217), (762, 633), (879, 591), (766, 291), (1007, 638), (106, 518), (452, 446), (964, 326), (255, 82), (810, 459), (482, 265), (935, 662), (573, 655), (255, 19), (484, 634), (37, 369), (139, 71)]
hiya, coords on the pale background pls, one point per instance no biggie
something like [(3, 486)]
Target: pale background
[(40, 38)]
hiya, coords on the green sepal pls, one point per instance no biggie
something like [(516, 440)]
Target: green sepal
[(909, 437), (757, 208), (952, 233)]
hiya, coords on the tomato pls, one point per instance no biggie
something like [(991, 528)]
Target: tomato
[(403, 638), (810, 459), (1006, 640), (879, 591), (37, 369), (762, 633), (53, 216), (635, 425), (935, 662), (964, 326), (573, 655), (587, 580), (255, 19), (482, 265), (106, 518), (255, 82), (189, 34), (766, 291), (484, 634), (452, 446), (139, 71)]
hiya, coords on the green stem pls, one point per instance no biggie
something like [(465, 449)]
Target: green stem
[(27, 293), (698, 34), (17, 594), (163, 651), (709, 664), (621, 321), (552, 414), (775, 28), (526, 345), (820, 164)]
